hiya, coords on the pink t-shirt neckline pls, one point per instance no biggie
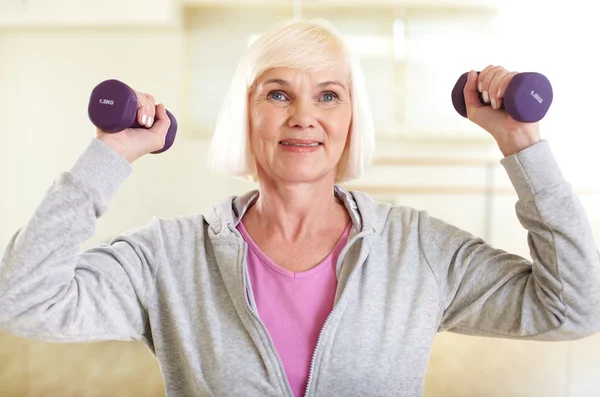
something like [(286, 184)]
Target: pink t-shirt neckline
[(275, 267)]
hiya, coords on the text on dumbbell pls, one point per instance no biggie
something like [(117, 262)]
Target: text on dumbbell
[(536, 96), (111, 102)]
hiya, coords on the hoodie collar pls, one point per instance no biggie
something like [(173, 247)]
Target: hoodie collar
[(360, 207)]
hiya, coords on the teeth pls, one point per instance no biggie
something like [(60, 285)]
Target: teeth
[(300, 144)]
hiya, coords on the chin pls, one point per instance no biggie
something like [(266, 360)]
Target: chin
[(306, 176)]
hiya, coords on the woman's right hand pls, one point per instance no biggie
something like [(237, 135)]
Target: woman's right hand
[(133, 143)]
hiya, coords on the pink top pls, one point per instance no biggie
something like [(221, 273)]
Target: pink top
[(293, 306)]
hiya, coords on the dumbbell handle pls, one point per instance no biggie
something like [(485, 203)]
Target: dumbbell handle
[(113, 108), (527, 98)]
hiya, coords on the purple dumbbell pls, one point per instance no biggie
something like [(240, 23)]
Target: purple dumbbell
[(527, 98), (113, 108)]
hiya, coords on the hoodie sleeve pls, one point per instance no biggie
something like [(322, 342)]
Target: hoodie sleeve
[(486, 291), (51, 292)]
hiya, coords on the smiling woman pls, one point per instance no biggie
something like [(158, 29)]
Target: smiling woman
[(293, 111), (293, 67), (300, 287)]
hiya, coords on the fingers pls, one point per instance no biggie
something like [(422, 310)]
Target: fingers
[(162, 121), (486, 79), (502, 86), (146, 109), (471, 93), (493, 82), (482, 75), (151, 111)]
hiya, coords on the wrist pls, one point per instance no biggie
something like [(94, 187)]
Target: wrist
[(517, 141), (120, 149)]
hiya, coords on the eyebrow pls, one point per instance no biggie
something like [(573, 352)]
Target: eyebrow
[(287, 83), (331, 82)]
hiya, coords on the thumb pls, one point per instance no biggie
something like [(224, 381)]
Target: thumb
[(471, 93), (161, 119)]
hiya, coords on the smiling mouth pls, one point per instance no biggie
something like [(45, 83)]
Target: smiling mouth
[(299, 143)]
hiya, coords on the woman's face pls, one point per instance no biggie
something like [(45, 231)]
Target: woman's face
[(299, 123)]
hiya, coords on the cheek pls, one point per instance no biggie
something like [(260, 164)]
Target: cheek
[(264, 123), (340, 126), (257, 131)]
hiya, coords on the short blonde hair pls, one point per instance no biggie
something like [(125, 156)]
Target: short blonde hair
[(300, 44)]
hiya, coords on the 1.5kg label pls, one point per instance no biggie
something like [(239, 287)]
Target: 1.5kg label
[(107, 102), (536, 96)]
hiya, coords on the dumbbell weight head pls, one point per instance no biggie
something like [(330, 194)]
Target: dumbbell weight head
[(113, 108), (527, 98)]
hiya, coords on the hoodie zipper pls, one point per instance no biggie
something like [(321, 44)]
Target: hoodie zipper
[(360, 258), (257, 317)]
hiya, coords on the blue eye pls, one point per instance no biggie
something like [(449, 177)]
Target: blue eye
[(329, 96), (277, 95)]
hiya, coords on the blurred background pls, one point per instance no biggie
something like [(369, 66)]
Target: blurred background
[(54, 52)]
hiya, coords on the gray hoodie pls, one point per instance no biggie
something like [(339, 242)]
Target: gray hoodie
[(180, 285)]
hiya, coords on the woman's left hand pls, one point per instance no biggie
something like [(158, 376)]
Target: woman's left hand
[(511, 136)]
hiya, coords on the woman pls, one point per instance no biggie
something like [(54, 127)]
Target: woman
[(300, 287)]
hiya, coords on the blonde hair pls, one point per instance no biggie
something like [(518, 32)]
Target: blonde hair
[(300, 44)]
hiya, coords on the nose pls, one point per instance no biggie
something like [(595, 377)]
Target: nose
[(302, 114)]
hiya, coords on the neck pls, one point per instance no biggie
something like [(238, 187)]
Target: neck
[(297, 211)]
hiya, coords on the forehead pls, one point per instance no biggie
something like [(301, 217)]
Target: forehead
[(294, 75)]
